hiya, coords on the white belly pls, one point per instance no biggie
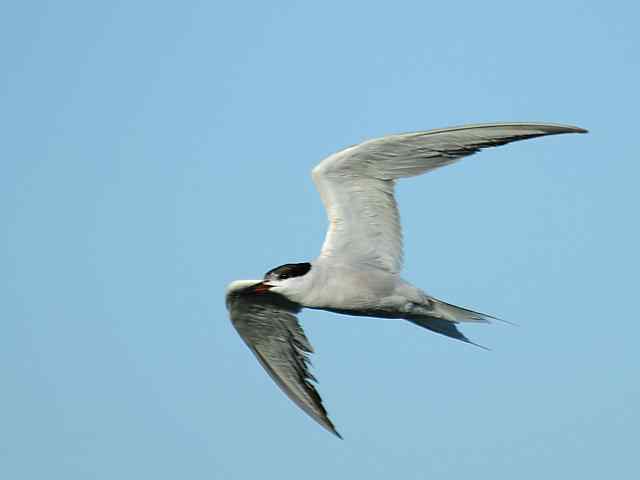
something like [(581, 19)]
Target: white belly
[(344, 288)]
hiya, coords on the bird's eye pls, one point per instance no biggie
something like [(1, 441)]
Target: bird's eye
[(284, 276)]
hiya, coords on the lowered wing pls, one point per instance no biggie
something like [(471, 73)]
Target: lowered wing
[(268, 324)]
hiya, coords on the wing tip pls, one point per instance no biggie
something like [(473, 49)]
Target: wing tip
[(571, 129), (328, 425), (546, 128)]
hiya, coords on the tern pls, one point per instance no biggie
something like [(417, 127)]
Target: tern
[(358, 269)]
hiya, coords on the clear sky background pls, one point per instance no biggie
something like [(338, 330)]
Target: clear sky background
[(152, 152)]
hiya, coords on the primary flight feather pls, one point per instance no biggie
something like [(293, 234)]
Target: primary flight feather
[(358, 269)]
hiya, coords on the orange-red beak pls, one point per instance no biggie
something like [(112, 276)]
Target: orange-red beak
[(261, 288)]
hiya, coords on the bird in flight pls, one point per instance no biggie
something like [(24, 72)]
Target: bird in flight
[(358, 269)]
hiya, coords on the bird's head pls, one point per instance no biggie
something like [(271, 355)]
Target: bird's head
[(289, 280)]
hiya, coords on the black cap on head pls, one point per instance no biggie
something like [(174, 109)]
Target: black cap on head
[(288, 270)]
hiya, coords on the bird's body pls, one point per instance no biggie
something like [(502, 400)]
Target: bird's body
[(358, 269), (328, 285)]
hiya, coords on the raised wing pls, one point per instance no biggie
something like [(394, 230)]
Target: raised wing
[(357, 184), (268, 324)]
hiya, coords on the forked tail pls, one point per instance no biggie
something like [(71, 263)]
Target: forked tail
[(442, 318), (452, 313)]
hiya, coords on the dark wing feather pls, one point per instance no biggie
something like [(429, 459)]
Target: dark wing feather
[(268, 324)]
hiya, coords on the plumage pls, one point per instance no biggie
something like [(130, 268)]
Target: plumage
[(357, 271), (269, 326), (357, 184)]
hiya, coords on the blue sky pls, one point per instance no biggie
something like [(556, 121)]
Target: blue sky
[(154, 152)]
